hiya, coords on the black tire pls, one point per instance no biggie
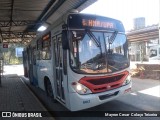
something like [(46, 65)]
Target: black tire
[(49, 90)]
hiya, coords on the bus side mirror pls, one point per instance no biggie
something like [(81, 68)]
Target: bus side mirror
[(65, 44)]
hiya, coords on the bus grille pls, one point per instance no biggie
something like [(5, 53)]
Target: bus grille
[(105, 80), (104, 83)]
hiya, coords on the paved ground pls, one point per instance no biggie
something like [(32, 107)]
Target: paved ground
[(16, 97)]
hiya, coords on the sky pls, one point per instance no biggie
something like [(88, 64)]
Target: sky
[(127, 10)]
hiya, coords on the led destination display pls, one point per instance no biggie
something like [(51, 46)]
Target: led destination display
[(76, 21)]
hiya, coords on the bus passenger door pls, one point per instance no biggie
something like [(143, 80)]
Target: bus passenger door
[(34, 53), (58, 71), (32, 66)]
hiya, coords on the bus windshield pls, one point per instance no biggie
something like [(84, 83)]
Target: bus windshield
[(98, 52)]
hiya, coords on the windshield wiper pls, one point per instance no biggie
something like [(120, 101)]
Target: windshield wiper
[(112, 38), (95, 40), (110, 41)]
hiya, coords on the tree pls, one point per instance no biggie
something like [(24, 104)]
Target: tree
[(10, 57)]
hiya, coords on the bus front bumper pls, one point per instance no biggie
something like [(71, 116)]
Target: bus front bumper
[(79, 102)]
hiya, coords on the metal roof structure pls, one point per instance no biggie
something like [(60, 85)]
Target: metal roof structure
[(20, 19), (143, 34)]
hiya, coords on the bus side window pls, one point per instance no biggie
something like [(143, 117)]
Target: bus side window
[(46, 52), (39, 48), (46, 55)]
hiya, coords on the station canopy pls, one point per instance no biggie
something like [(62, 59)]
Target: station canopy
[(20, 19)]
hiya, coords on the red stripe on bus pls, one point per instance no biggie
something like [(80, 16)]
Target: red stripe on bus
[(108, 82)]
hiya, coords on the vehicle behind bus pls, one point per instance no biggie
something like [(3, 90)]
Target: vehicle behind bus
[(81, 62)]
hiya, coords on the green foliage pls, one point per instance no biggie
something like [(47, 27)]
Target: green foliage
[(10, 56)]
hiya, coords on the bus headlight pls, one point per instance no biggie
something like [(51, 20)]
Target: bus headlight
[(127, 81), (81, 89)]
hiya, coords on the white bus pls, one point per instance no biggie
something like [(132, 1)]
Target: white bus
[(81, 61)]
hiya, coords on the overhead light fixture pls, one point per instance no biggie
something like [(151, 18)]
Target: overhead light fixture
[(42, 28)]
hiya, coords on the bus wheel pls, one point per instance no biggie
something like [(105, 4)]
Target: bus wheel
[(49, 90)]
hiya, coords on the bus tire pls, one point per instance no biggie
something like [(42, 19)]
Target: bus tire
[(49, 90)]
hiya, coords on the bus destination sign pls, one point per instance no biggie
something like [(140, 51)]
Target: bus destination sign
[(77, 21), (97, 23)]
